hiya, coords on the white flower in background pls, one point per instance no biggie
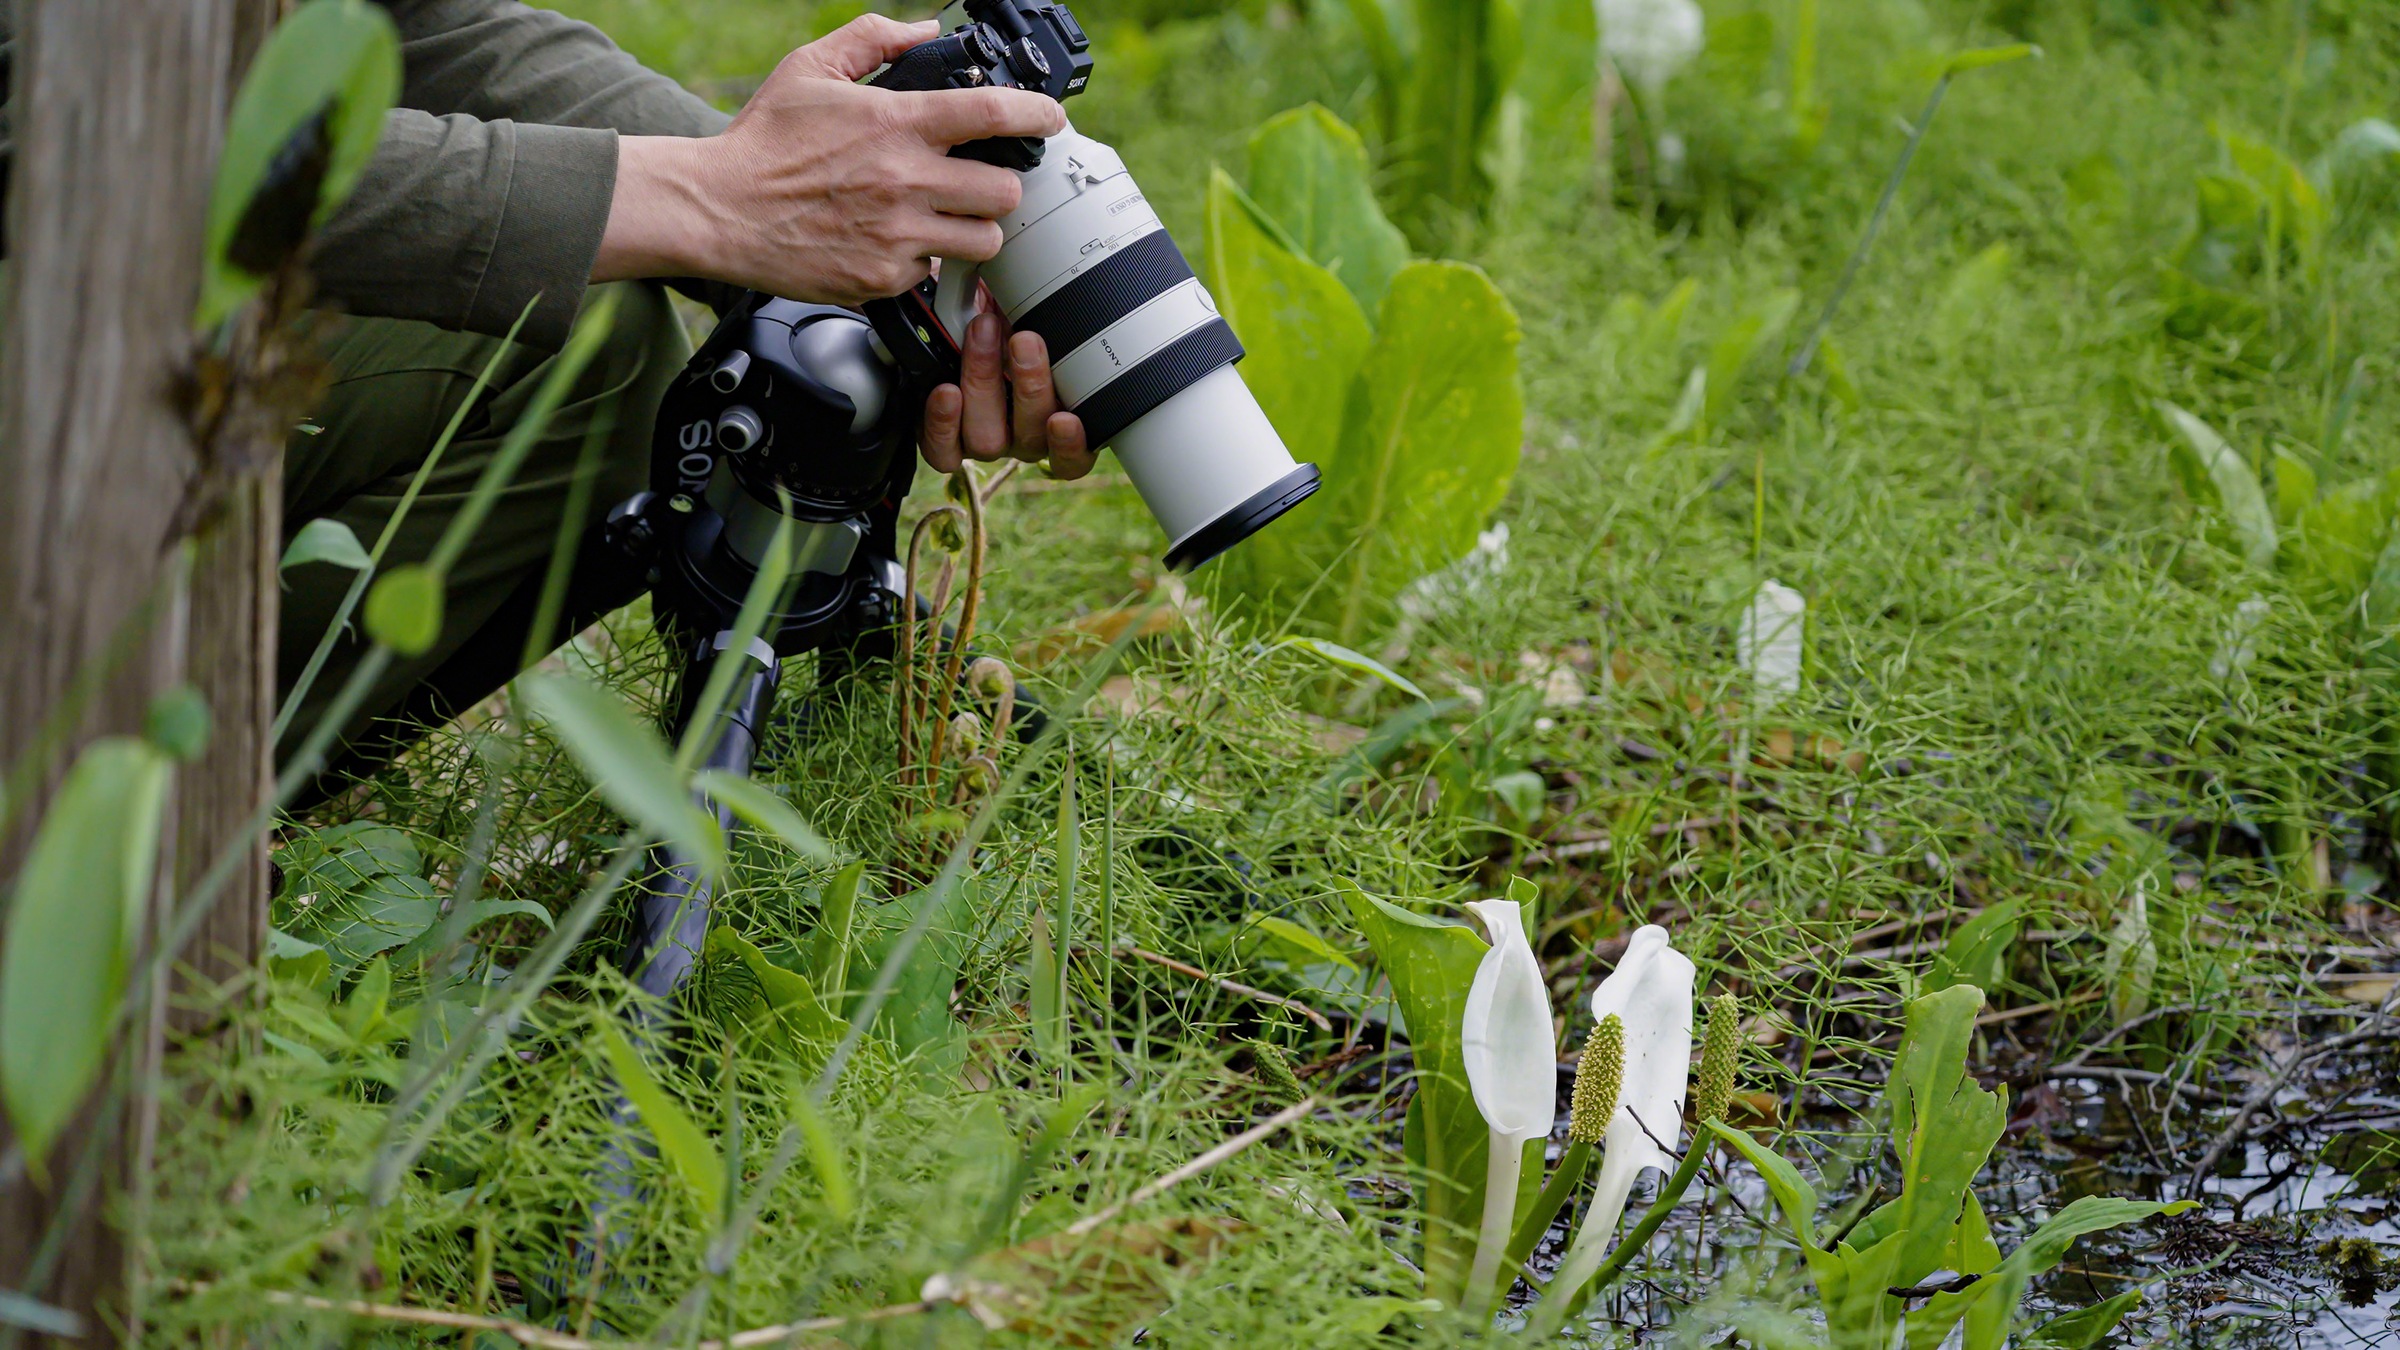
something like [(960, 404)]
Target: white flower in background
[(1472, 580), (1511, 1055), (2129, 962), (2239, 646), (1772, 638), (1650, 991), (1649, 40)]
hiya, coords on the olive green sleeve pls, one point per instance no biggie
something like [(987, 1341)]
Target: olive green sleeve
[(491, 186)]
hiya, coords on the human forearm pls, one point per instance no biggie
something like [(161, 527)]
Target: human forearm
[(662, 216)]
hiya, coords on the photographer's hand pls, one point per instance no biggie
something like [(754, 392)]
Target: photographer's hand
[(827, 190), (985, 417), (823, 189)]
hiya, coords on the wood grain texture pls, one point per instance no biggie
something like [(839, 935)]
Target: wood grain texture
[(116, 110)]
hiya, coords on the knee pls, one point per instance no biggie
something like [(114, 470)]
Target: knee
[(646, 343), (644, 349)]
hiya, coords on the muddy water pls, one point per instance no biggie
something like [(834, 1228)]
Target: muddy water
[(2251, 1269)]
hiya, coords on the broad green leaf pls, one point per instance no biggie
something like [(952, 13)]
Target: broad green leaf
[(73, 924), (1759, 327), (786, 995), (404, 610), (1430, 965), (1309, 172), (627, 763), (325, 540), (1557, 67), (1793, 1195), (1303, 333), (917, 1015), (297, 959), (385, 911), (2085, 1327), (1384, 57), (2217, 475), (1977, 952), (2295, 209), (763, 809), (303, 127), (1990, 1304), (828, 951), (1466, 54), (1355, 661), (1431, 450), (1944, 1125), (686, 1148)]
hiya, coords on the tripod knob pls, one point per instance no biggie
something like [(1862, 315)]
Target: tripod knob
[(738, 429), (727, 377)]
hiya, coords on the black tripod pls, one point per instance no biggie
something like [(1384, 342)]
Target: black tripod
[(790, 419)]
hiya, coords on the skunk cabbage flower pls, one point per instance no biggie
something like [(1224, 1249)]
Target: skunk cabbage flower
[(1599, 1077), (1720, 1055), (1771, 639), (1649, 40), (1511, 1058), (1651, 992)]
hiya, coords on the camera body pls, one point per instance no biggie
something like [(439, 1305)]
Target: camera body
[(1020, 44), (803, 417)]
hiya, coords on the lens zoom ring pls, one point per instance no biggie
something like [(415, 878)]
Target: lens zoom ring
[(1123, 282), (1169, 371)]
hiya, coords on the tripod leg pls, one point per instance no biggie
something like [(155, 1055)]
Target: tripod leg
[(672, 921), (670, 930)]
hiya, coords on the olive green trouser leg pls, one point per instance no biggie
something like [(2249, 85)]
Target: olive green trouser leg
[(395, 385)]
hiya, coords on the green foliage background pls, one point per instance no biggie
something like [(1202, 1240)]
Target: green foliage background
[(2014, 605)]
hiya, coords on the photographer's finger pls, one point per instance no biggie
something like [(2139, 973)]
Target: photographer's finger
[(984, 391), (948, 117), (961, 237), (1035, 397), (1070, 458), (854, 50), (962, 187), (938, 435)]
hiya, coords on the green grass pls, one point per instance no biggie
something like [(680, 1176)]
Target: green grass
[(2012, 609)]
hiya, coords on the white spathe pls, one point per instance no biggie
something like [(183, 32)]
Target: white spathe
[(1651, 992), (1772, 641), (1650, 40), (1508, 1042), (1511, 1054)]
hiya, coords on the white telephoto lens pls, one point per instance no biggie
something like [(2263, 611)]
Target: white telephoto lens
[(1137, 349)]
